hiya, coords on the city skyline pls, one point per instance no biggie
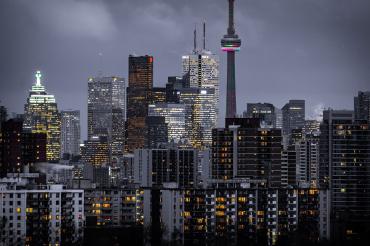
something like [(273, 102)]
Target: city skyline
[(324, 65), (267, 147)]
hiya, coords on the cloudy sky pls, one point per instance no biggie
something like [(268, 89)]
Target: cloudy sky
[(318, 50)]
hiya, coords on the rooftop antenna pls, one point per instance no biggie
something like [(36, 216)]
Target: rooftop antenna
[(204, 35), (195, 39), (100, 71)]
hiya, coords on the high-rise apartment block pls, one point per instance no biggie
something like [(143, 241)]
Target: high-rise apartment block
[(231, 215), (47, 215), (18, 148), (153, 167), (244, 150), (113, 207), (344, 170)]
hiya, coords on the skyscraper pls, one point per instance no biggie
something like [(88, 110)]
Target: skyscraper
[(201, 69), (139, 89), (106, 111), (264, 111), (95, 151), (71, 133), (311, 127), (200, 115), (174, 115), (231, 43), (279, 118), (157, 131), (42, 116), (158, 95), (344, 169), (293, 118), (362, 105)]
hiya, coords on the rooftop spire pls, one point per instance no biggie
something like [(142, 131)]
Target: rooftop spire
[(38, 78), (204, 35), (195, 39)]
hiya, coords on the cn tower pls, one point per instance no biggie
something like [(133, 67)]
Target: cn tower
[(231, 43)]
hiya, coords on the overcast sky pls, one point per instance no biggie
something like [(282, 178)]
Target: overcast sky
[(317, 50)]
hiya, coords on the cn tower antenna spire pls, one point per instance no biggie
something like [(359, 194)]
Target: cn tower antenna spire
[(230, 43)]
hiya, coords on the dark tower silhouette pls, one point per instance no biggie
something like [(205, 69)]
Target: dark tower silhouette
[(231, 43)]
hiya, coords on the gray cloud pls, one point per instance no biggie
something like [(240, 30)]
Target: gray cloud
[(310, 49), (74, 19)]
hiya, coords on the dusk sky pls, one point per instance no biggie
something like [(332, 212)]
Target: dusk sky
[(317, 50)]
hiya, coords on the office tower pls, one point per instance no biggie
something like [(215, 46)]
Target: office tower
[(174, 116), (279, 118), (293, 118), (101, 176), (95, 151), (362, 105), (71, 133), (18, 148), (296, 135), (344, 170), (173, 86), (127, 168), (231, 43), (264, 111), (311, 127), (158, 95), (106, 111), (41, 116), (201, 70), (34, 215), (139, 89), (117, 145), (153, 167), (200, 115), (244, 150), (157, 131)]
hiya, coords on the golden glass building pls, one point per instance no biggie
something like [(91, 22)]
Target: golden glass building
[(41, 116)]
